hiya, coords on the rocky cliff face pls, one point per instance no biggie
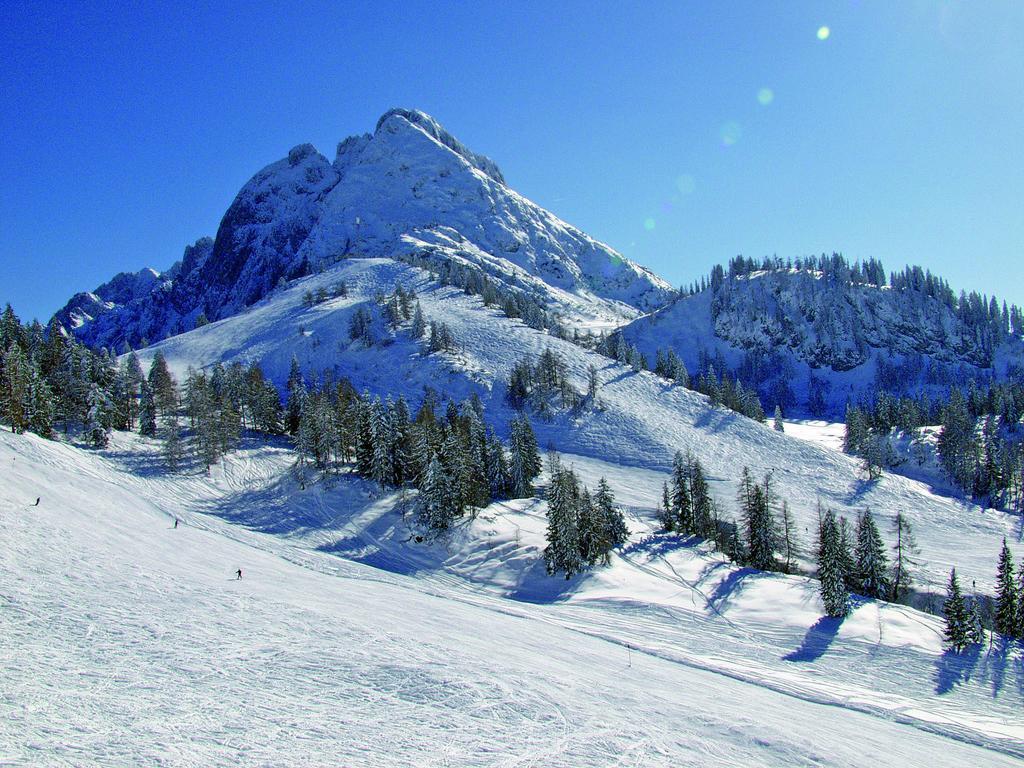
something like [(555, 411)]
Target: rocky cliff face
[(409, 188)]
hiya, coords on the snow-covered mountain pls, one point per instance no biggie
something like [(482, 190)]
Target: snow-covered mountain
[(409, 188), (779, 327)]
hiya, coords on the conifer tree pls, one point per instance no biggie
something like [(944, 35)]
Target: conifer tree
[(435, 506), (563, 550), (957, 617), (147, 410), (777, 423), (665, 515), (760, 533), (871, 565), (40, 403), (15, 382), (164, 387), (611, 525), (1007, 607), (831, 575), (96, 426), (296, 395), (174, 450), (525, 463), (682, 505), (789, 539), (419, 324), (700, 500), (904, 551)]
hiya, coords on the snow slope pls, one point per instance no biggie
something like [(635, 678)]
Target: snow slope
[(642, 422), (127, 642)]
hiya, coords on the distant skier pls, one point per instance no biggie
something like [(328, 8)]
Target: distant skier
[(175, 522), (38, 498), (238, 575)]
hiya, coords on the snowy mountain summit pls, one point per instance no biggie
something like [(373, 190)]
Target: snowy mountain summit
[(408, 189)]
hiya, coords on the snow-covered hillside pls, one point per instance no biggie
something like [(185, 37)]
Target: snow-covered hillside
[(410, 187), (127, 641), (782, 326), (642, 422)]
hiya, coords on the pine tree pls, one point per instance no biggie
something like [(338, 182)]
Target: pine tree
[(957, 617), (174, 450), (682, 505), (147, 411), (665, 515), (611, 525), (871, 562), (777, 423), (40, 406), (700, 500), (904, 550), (296, 396), (563, 550), (789, 539), (435, 507), (164, 387), (15, 381), (1007, 607), (760, 533), (419, 324), (525, 463), (831, 575), (96, 426)]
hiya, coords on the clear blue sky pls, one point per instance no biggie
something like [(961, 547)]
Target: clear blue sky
[(681, 134)]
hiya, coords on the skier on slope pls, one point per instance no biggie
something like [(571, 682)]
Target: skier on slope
[(238, 575)]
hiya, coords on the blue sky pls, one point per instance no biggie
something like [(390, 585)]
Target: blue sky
[(681, 134)]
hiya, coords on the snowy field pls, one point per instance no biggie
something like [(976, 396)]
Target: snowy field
[(126, 641)]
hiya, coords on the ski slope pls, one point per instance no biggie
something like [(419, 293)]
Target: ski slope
[(127, 641), (642, 421)]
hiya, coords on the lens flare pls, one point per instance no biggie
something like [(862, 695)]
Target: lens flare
[(686, 184), (730, 133), (823, 33), (765, 96), (648, 223)]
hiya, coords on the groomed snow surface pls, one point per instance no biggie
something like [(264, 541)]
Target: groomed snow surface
[(126, 641)]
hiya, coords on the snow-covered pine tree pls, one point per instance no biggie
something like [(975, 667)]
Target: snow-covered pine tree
[(871, 562), (957, 618), (563, 550), (847, 562), (296, 394), (96, 427), (435, 507), (588, 525), (682, 506), (760, 530), (15, 381), (419, 323), (524, 462), (40, 403), (830, 567), (612, 530), (777, 422), (1007, 605)]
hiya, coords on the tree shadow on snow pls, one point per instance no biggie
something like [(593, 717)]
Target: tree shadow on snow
[(658, 545), (817, 640), (728, 587), (716, 419), (953, 669), (536, 586)]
